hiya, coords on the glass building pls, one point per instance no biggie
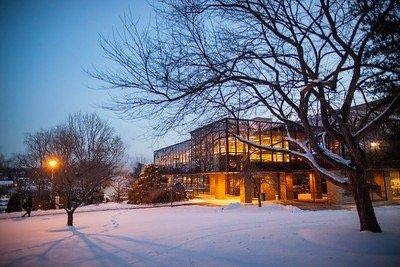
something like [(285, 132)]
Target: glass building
[(215, 148), (215, 162)]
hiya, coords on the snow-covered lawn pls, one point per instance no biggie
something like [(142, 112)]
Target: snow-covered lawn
[(99, 207), (202, 236)]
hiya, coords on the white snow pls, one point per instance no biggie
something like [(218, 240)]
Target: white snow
[(100, 207), (308, 154), (6, 182), (234, 235)]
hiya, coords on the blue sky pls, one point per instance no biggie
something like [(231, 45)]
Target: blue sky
[(45, 45)]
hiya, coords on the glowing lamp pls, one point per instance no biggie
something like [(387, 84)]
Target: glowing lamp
[(374, 145), (53, 163)]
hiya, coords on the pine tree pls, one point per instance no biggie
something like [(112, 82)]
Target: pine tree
[(150, 187)]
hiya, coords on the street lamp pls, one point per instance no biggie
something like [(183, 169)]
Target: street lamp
[(52, 164), (375, 145)]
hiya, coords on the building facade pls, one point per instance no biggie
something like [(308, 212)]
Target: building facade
[(214, 163)]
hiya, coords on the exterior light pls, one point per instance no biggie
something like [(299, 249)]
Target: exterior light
[(374, 145), (53, 163)]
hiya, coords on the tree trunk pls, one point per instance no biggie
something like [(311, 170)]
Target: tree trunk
[(259, 194), (365, 210), (70, 220)]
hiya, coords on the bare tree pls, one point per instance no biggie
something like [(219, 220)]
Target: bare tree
[(121, 184), (88, 152), (303, 62), (90, 156)]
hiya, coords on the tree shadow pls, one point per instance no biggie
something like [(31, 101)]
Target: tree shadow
[(66, 229), (158, 249), (42, 257), (106, 250), (381, 245), (101, 255)]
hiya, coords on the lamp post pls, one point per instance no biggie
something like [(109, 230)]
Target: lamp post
[(52, 163)]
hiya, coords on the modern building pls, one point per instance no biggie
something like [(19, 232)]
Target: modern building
[(213, 163)]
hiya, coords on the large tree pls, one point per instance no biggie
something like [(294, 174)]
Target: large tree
[(306, 63), (88, 153)]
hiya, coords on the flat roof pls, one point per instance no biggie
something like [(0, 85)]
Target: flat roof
[(176, 144)]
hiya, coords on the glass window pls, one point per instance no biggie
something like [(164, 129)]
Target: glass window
[(222, 145), (215, 143), (254, 154), (233, 185), (395, 183), (240, 147), (231, 145), (266, 156), (278, 157), (286, 157), (266, 138), (277, 142)]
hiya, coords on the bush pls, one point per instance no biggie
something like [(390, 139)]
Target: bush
[(14, 204), (160, 195), (152, 187)]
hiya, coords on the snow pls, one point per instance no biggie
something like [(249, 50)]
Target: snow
[(100, 207), (267, 208), (330, 174), (332, 155), (311, 159), (6, 182), (234, 235)]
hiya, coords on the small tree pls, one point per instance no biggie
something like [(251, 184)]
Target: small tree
[(90, 154)]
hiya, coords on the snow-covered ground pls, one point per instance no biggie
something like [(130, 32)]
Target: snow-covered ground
[(99, 207), (233, 235)]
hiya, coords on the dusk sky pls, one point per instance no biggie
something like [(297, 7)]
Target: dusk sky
[(45, 47)]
